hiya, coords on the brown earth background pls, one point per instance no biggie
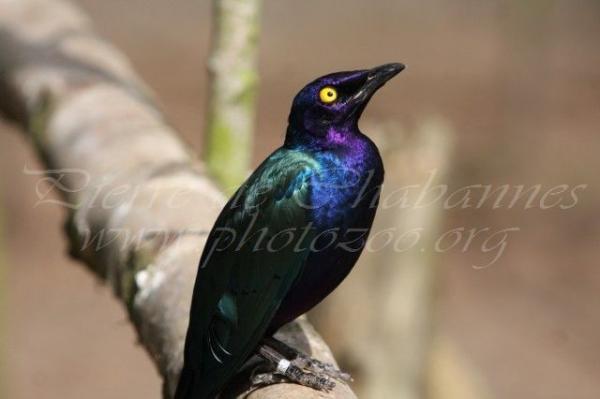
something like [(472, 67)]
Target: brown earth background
[(519, 83)]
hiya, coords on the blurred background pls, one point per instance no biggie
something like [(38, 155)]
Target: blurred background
[(495, 93)]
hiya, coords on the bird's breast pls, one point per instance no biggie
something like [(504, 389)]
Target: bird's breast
[(343, 200), (345, 192)]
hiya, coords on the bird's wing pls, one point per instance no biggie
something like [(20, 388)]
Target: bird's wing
[(255, 251)]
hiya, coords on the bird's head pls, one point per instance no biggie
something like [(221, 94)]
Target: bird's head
[(334, 102)]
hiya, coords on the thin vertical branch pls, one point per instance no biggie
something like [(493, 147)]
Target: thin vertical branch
[(233, 90)]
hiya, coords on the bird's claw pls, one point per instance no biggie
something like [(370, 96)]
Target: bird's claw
[(302, 369), (321, 382), (316, 366), (292, 374), (306, 362)]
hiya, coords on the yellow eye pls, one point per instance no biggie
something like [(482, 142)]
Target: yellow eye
[(328, 94)]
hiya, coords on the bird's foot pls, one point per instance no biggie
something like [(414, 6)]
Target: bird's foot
[(306, 362), (318, 367), (287, 372), (297, 367)]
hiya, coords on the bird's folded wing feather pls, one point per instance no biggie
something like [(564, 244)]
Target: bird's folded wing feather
[(255, 251)]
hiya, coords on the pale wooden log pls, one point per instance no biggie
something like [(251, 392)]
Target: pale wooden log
[(127, 180)]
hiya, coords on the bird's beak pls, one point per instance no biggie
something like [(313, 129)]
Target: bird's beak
[(376, 78)]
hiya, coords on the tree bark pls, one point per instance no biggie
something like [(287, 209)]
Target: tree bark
[(233, 90), (139, 203)]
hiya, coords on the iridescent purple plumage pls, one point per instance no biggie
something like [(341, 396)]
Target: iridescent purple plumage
[(345, 192), (322, 186)]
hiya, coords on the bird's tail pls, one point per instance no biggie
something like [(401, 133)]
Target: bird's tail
[(191, 387)]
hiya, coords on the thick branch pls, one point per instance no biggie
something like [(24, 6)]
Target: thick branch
[(140, 204)]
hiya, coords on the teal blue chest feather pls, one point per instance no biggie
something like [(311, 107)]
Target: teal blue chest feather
[(345, 179)]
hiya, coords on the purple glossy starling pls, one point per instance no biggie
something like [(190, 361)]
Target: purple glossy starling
[(290, 234)]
